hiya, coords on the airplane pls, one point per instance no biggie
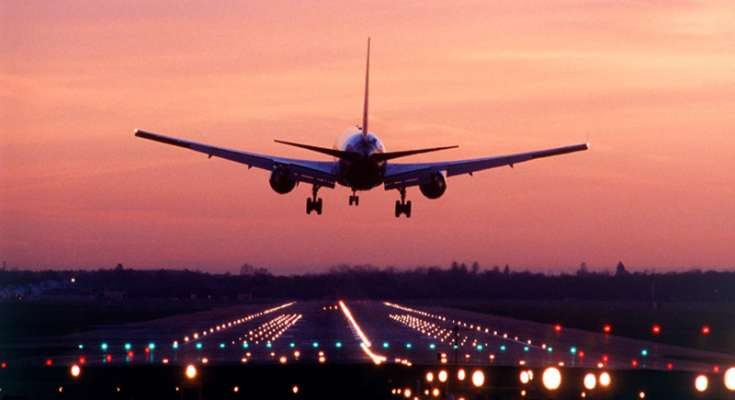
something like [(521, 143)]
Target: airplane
[(361, 163)]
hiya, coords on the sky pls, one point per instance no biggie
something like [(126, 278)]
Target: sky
[(649, 83)]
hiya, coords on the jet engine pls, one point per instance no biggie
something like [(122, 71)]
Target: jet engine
[(281, 180), (434, 187)]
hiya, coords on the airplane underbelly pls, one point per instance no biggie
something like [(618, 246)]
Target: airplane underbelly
[(361, 175)]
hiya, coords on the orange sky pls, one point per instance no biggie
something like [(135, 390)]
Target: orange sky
[(651, 83)]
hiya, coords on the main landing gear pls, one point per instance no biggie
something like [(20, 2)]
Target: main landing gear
[(354, 199), (314, 203), (403, 206)]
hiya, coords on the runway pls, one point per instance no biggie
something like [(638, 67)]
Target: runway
[(360, 332)]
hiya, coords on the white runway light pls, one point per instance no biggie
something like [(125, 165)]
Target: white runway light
[(478, 378), (701, 383), (605, 379), (730, 379), (590, 381), (551, 378)]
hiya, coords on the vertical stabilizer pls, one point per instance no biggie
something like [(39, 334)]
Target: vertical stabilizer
[(367, 86)]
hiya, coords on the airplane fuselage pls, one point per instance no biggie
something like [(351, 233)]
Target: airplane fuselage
[(362, 173)]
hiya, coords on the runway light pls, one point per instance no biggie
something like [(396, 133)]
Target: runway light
[(291, 345), (442, 376), (407, 393), (75, 371), (461, 374), (190, 372), (338, 345), (104, 346), (49, 362), (315, 344), (729, 378), (551, 378), (607, 328), (222, 345), (605, 379), (701, 383), (641, 395), (429, 377), (656, 330), (386, 345), (295, 389), (590, 381), (502, 347), (409, 345), (526, 349), (80, 346), (432, 346), (435, 392), (235, 389), (644, 352), (557, 328), (198, 345), (151, 346), (478, 378), (573, 350), (524, 377), (705, 330)]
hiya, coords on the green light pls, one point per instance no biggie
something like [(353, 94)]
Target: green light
[(127, 346), (221, 345), (479, 347), (386, 345), (80, 346), (338, 345), (245, 345), (455, 347), (292, 345), (502, 347), (525, 348), (432, 346), (573, 350), (315, 344), (549, 349), (268, 345), (199, 345), (103, 346), (151, 346), (644, 352), (409, 345), (175, 345)]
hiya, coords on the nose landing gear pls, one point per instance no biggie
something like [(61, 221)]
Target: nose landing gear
[(314, 203), (354, 199), (403, 206)]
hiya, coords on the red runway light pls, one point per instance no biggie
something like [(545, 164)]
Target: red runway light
[(130, 354), (557, 328), (656, 329), (607, 328), (581, 354), (82, 360), (634, 363), (705, 330), (4, 365), (669, 366), (49, 362), (716, 369), (108, 358), (604, 358)]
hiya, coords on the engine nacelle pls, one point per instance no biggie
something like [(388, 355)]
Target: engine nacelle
[(434, 187), (281, 180)]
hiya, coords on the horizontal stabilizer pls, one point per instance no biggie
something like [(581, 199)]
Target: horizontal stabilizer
[(397, 154), (343, 155)]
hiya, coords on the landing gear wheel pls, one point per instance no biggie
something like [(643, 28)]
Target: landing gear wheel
[(403, 206), (318, 206), (399, 209), (407, 209), (314, 203), (354, 199)]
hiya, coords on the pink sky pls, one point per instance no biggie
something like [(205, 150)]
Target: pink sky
[(650, 82)]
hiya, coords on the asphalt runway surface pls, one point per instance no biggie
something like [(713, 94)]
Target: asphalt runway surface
[(359, 332)]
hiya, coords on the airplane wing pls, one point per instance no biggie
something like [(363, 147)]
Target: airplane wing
[(405, 175), (316, 172)]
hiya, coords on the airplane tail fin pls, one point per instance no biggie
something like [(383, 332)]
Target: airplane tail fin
[(397, 154), (367, 86)]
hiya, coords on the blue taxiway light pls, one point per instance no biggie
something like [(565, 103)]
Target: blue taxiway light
[(104, 346), (526, 349), (432, 346), (409, 345), (338, 345), (479, 347), (269, 345), (292, 345), (127, 346), (573, 350), (549, 349), (644, 352), (199, 345), (80, 346), (221, 345), (175, 345), (315, 344), (502, 347), (151, 346), (386, 345), (245, 345)]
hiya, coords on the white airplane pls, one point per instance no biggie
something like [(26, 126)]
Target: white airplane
[(361, 164)]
